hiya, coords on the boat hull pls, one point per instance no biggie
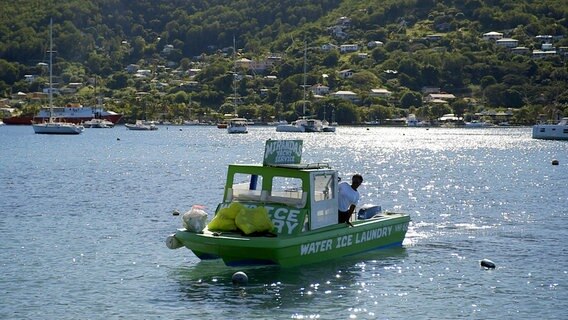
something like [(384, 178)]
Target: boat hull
[(289, 128), (327, 243), (57, 128), (144, 127), (550, 132)]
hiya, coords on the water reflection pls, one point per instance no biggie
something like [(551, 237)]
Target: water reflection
[(291, 290)]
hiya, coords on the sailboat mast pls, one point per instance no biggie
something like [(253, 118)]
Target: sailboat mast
[(235, 77), (304, 86), (50, 69)]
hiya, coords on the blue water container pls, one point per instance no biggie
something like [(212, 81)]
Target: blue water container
[(368, 211)]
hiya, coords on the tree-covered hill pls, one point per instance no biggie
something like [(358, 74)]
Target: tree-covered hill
[(426, 43)]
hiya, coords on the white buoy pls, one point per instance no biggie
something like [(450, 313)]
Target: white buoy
[(240, 277), (173, 243), (488, 264)]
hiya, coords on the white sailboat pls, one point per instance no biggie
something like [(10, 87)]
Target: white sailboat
[(236, 125), (52, 126), (303, 124)]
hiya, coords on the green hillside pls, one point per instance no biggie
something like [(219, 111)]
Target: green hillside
[(187, 48)]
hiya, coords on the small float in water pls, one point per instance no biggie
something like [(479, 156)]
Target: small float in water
[(283, 212)]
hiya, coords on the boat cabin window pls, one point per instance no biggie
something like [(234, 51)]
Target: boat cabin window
[(288, 191), (246, 187), (323, 187), (286, 187)]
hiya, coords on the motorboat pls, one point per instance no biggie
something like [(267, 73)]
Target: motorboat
[(477, 124), (98, 123), (294, 126), (301, 125), (284, 212), (557, 131), (237, 125), (326, 127), (141, 125)]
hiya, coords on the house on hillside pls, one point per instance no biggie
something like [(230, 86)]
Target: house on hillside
[(507, 43), (520, 50), (492, 36), (540, 54), (344, 48), (347, 73), (374, 44), (347, 95), (445, 97), (380, 93), (544, 38), (319, 89)]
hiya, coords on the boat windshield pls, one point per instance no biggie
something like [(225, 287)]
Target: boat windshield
[(284, 190)]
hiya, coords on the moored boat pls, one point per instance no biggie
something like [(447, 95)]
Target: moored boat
[(52, 125), (300, 201), (141, 125), (557, 131), (98, 123), (237, 125), (303, 124)]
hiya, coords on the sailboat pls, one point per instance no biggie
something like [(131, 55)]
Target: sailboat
[(52, 126), (236, 125), (303, 124)]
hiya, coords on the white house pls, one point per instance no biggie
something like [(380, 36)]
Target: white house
[(432, 97), (380, 93), (547, 47), (30, 77), (539, 54), (492, 36), (348, 73), (544, 38), (319, 89), (348, 48), (347, 95), (374, 44), (507, 43), (520, 50)]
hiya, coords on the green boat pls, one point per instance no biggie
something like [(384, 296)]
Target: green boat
[(300, 201)]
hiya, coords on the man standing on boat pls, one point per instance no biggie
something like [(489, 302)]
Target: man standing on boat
[(348, 198)]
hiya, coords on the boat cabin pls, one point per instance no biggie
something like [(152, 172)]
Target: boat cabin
[(298, 197)]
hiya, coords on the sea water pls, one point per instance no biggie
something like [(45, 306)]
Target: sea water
[(83, 220)]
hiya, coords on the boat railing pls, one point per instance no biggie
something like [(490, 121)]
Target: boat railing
[(300, 166)]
